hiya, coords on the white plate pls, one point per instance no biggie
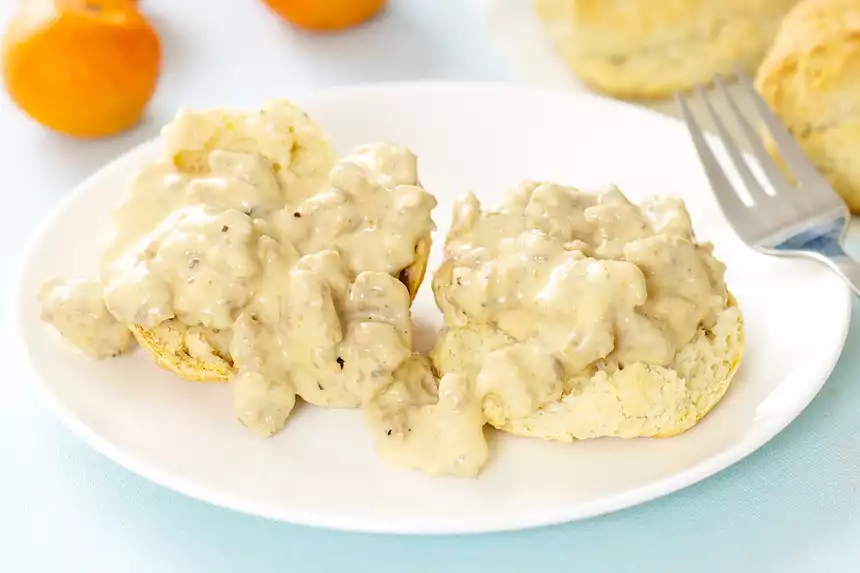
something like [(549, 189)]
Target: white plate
[(322, 469)]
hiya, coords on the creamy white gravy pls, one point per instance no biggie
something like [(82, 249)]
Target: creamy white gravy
[(555, 284), (296, 286), (282, 261), (77, 310)]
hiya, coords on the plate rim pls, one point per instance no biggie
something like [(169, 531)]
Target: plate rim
[(565, 514)]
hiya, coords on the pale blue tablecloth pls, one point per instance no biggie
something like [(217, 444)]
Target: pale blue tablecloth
[(794, 506)]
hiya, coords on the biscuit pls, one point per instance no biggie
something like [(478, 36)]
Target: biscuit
[(642, 49), (566, 333), (198, 355), (811, 79), (301, 158), (639, 400)]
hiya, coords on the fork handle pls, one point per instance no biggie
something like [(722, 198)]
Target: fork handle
[(844, 265), (823, 242)]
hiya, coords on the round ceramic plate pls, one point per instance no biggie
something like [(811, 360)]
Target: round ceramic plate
[(322, 469)]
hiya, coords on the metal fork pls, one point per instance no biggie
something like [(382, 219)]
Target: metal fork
[(804, 217)]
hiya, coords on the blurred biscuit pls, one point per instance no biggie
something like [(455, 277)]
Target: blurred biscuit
[(650, 48), (811, 78)]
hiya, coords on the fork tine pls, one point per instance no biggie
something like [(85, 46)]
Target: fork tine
[(750, 182), (802, 169), (734, 209), (774, 175)]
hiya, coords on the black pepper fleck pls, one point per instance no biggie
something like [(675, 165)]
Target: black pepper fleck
[(193, 263), (388, 432), (224, 229), (340, 362), (319, 386), (297, 215)]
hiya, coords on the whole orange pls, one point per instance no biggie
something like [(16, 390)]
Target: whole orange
[(86, 68), (326, 15)]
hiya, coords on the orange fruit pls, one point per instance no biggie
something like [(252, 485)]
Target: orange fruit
[(86, 68), (326, 15)]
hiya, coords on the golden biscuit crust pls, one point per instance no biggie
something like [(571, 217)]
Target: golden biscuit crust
[(811, 79), (633, 49)]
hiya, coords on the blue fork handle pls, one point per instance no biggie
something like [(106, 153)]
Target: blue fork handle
[(845, 267), (823, 242)]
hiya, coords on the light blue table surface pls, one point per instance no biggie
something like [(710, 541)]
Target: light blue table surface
[(794, 506)]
